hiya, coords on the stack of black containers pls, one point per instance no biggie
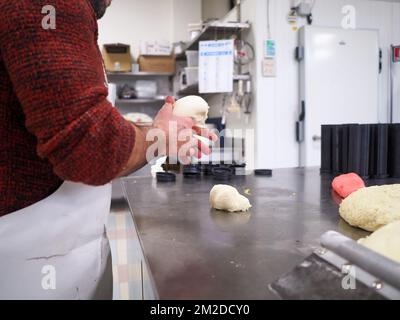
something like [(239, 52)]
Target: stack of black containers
[(370, 150)]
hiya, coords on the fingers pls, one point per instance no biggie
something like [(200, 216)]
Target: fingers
[(202, 148), (187, 150), (170, 100), (185, 122), (165, 112), (192, 145), (198, 148), (205, 133), (192, 148)]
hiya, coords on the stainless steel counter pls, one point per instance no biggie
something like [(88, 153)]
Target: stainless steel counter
[(194, 252)]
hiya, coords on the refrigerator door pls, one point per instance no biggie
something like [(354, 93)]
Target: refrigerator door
[(338, 82), (395, 86)]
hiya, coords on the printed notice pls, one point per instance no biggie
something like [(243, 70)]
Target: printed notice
[(216, 66)]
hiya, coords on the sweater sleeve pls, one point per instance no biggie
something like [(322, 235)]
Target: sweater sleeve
[(58, 77)]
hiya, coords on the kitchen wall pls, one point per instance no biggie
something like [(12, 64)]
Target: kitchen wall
[(183, 13), (215, 9), (276, 99), (275, 103), (132, 21)]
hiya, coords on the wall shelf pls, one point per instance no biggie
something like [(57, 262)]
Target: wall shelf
[(214, 31), (139, 101), (189, 90), (163, 83), (194, 88), (244, 77), (139, 74)]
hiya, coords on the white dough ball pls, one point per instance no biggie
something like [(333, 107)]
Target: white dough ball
[(227, 198), (194, 107), (385, 241), (372, 208)]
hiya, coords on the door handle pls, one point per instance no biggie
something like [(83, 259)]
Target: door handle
[(316, 138), (300, 123)]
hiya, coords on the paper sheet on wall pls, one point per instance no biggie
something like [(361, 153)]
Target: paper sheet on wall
[(216, 66)]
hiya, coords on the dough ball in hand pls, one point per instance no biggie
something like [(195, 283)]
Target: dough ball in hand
[(385, 241), (193, 107), (227, 198), (372, 208)]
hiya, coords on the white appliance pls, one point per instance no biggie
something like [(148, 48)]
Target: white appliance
[(339, 74), (395, 84)]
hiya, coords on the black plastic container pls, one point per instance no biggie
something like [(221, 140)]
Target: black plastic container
[(263, 172), (394, 150), (223, 173), (354, 148), (370, 150), (364, 150), (165, 177), (344, 148), (326, 149), (335, 150), (206, 169), (373, 150), (379, 151), (191, 171)]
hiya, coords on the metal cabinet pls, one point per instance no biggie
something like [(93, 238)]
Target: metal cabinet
[(131, 277)]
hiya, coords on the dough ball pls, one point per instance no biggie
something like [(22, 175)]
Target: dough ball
[(194, 107), (372, 208), (345, 184), (385, 241), (227, 198)]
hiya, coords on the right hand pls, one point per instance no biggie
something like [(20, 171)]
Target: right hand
[(179, 133)]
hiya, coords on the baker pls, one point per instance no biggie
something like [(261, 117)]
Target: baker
[(61, 145)]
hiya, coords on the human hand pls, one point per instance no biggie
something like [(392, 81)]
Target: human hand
[(180, 135)]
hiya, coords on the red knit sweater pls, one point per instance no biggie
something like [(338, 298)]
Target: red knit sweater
[(55, 121)]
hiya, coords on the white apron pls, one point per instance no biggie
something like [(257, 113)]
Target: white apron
[(56, 248)]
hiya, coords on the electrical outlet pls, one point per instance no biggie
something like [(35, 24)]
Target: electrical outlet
[(269, 67)]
